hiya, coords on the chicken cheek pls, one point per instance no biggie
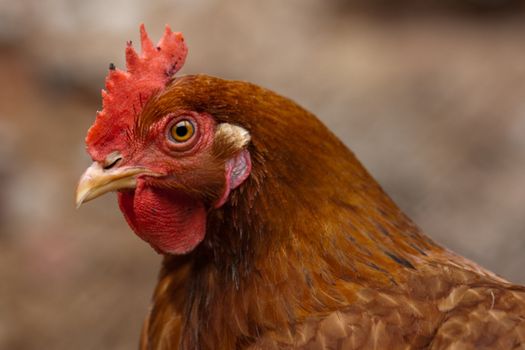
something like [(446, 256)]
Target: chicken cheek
[(170, 221)]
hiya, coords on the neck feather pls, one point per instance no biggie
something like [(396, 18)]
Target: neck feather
[(275, 255), (300, 237)]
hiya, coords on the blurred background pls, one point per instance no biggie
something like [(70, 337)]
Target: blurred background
[(429, 95)]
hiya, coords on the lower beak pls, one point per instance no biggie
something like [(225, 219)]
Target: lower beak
[(96, 181)]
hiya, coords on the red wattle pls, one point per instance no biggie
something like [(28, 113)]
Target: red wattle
[(170, 221)]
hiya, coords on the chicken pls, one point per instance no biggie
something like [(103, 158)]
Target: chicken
[(274, 236)]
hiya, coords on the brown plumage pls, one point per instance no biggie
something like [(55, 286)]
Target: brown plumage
[(311, 253), (274, 235)]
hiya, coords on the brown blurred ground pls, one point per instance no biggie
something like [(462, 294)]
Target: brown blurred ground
[(430, 95)]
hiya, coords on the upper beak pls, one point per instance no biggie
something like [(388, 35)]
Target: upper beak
[(96, 181)]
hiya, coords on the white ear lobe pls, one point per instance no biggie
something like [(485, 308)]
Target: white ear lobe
[(238, 167), (237, 135)]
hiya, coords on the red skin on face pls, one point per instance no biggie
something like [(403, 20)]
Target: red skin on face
[(170, 220)]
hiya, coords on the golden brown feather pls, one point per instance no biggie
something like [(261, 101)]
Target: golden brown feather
[(310, 253)]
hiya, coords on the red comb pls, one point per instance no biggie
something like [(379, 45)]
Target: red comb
[(127, 91)]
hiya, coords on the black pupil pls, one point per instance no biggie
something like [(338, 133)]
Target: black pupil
[(181, 130)]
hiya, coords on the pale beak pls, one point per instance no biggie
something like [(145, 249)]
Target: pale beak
[(96, 181)]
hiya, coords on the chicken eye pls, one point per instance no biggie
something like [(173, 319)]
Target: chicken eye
[(182, 131)]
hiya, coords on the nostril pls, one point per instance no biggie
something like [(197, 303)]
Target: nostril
[(111, 162)]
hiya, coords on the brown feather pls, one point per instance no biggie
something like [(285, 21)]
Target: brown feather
[(310, 253)]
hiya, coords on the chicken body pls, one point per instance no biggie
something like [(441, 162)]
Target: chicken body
[(274, 235), (311, 254)]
